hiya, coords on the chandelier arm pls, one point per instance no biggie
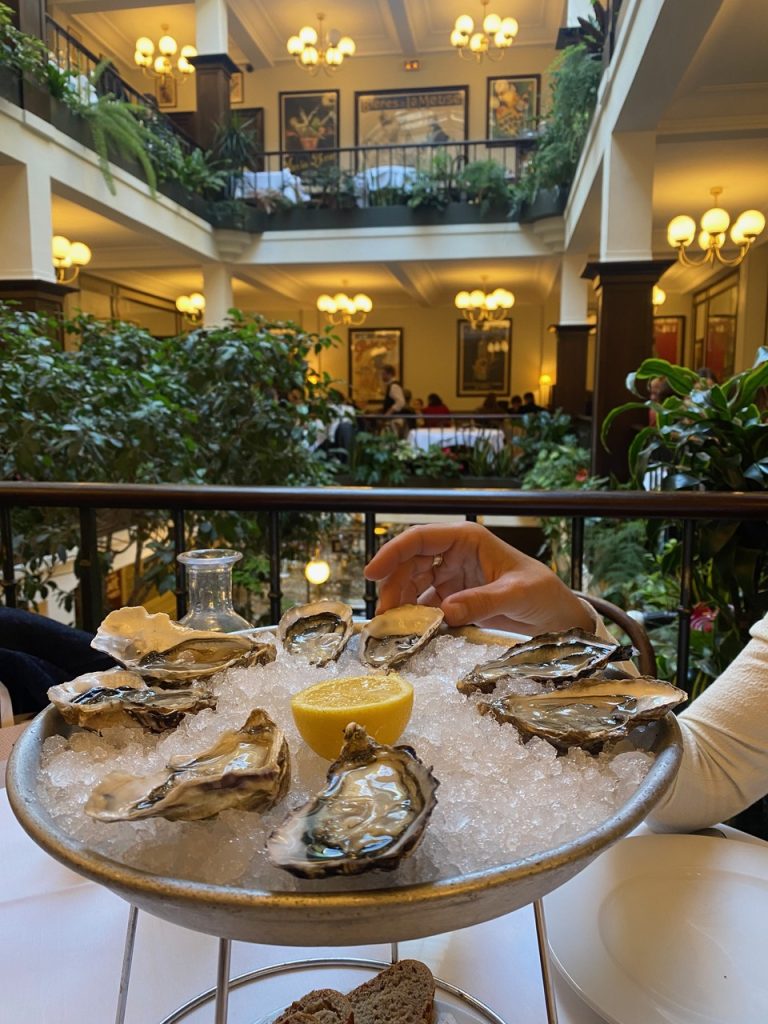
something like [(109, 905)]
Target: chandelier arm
[(61, 275), (494, 54), (732, 261), (686, 260)]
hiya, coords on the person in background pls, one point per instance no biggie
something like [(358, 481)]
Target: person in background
[(708, 377), (394, 400), (516, 405), (658, 389), (490, 405), (435, 407), (529, 404), (418, 408), (474, 577)]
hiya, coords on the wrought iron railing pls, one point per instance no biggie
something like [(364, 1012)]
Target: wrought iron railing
[(685, 509)]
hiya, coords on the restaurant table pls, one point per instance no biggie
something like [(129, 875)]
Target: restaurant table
[(62, 944), (450, 437)]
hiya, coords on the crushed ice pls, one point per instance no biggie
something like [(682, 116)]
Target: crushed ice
[(498, 801)]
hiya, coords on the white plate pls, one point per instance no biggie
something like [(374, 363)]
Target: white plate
[(667, 929), (460, 1014)]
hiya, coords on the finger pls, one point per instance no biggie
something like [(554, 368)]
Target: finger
[(418, 540), (476, 604)]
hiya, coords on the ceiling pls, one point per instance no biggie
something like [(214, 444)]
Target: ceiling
[(714, 131)]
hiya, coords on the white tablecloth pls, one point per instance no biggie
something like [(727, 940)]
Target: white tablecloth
[(450, 437), (285, 182)]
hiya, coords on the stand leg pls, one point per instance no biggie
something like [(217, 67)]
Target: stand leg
[(546, 976), (125, 973), (395, 952), (222, 982)]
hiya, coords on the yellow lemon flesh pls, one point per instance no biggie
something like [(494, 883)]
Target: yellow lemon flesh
[(382, 704)]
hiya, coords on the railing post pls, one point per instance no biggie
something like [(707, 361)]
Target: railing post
[(684, 608), (8, 567), (370, 551), (577, 553), (89, 571), (275, 591), (179, 545)]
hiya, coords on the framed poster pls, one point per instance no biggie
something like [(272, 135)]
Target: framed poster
[(720, 344), (309, 126), (369, 350), (396, 117), (512, 106), (669, 338), (484, 356), (237, 88), (165, 92)]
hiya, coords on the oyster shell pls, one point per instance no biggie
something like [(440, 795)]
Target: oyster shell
[(97, 700), (588, 713), (553, 658), (318, 631), (394, 636), (158, 648), (372, 813), (248, 770)]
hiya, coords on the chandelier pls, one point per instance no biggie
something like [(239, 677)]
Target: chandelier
[(191, 308), (341, 309), (497, 35), (681, 232), (162, 65), (313, 49), (481, 307), (658, 296), (68, 256)]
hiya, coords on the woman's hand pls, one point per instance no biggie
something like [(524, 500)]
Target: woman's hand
[(475, 578)]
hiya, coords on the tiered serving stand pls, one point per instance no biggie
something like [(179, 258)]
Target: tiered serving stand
[(333, 917)]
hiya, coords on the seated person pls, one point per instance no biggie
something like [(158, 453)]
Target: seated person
[(490, 407), (435, 407), (476, 578), (529, 404), (516, 405)]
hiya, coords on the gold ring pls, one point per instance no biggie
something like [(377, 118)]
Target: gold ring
[(437, 561)]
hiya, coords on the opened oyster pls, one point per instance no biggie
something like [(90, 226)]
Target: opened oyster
[(553, 658), (588, 713), (372, 813), (394, 636), (248, 770), (158, 648), (98, 700), (318, 631)]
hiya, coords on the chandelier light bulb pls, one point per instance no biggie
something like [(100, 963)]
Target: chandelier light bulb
[(308, 35), (346, 46), (681, 230), (333, 56), (294, 46), (60, 247), (464, 24), (363, 302), (491, 24), (309, 56), (167, 45), (458, 38), (658, 296), (463, 300), (510, 28), (752, 223), (80, 254), (192, 307), (325, 304), (715, 221), (145, 46)]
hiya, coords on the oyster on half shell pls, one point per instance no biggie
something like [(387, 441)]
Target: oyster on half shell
[(248, 770), (98, 700), (372, 813), (588, 713), (318, 631), (389, 639), (553, 658), (158, 648)]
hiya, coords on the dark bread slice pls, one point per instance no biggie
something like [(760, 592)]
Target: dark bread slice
[(322, 1006), (402, 994)]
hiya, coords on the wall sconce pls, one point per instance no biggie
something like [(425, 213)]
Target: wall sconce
[(658, 296), (191, 308), (545, 381), (681, 232), (68, 256)]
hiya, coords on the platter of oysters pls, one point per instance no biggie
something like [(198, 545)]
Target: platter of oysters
[(371, 812)]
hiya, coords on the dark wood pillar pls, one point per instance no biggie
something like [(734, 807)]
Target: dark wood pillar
[(29, 16), (212, 74), (624, 340), (36, 296), (570, 391)]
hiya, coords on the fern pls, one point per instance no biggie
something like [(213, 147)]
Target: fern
[(113, 121)]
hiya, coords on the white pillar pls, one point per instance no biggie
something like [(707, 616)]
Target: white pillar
[(753, 306), (574, 289), (627, 197), (211, 29), (25, 221), (217, 288)]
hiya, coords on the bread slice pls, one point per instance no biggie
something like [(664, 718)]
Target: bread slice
[(322, 1006), (402, 994)]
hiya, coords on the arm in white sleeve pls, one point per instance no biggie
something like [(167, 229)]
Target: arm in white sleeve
[(725, 745)]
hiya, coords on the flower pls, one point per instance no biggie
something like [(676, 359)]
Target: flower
[(581, 476), (702, 617)]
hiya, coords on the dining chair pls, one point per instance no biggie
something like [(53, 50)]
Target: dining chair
[(646, 658)]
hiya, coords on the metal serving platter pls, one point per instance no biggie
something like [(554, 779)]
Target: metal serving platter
[(334, 917)]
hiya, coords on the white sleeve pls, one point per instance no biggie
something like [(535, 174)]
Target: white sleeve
[(725, 745), (397, 395)]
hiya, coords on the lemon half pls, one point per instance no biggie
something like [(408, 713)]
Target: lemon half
[(382, 704)]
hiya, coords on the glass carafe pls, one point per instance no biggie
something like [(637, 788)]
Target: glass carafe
[(209, 590)]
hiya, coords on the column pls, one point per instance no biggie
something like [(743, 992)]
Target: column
[(624, 340), (217, 288), (26, 269), (572, 330), (213, 69)]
